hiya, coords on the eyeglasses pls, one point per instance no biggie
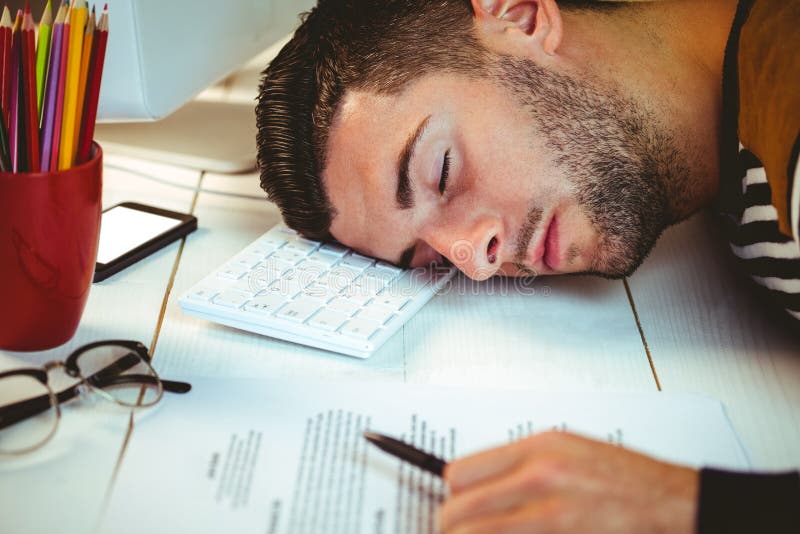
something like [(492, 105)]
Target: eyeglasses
[(118, 371)]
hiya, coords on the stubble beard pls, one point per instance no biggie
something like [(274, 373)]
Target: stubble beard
[(624, 169)]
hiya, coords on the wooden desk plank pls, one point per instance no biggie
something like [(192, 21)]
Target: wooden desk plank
[(69, 477), (567, 333), (708, 333)]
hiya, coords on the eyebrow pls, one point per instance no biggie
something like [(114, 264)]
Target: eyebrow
[(405, 195)]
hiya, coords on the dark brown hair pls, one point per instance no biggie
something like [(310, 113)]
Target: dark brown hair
[(341, 45), (377, 45)]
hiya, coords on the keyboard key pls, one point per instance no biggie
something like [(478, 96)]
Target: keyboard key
[(384, 275), (375, 312), (333, 249), (395, 302), (410, 283), (261, 278), (202, 294), (365, 286), (328, 320), (292, 257), (341, 276), (290, 274), (311, 270), (295, 275), (327, 279), (244, 286), (320, 292), (304, 246), (345, 306), (299, 310), (248, 261), (359, 329), (328, 260), (357, 261), (286, 230), (287, 287), (261, 250), (274, 239), (357, 295), (277, 265), (388, 267), (231, 299), (250, 285), (383, 278), (232, 272), (265, 305), (276, 289)]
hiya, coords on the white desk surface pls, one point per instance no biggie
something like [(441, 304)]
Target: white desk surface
[(704, 332)]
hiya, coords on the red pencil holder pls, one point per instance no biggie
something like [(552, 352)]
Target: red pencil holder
[(49, 234)]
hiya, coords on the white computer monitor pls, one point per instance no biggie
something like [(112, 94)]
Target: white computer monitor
[(161, 54)]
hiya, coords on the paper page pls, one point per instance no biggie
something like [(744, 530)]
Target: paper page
[(288, 457)]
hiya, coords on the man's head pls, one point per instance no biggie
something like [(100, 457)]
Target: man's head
[(415, 130)]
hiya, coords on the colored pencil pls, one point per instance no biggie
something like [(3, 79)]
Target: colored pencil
[(42, 53), (62, 80), (93, 88), (88, 40), (51, 93), (6, 30), (77, 24), (14, 139), (5, 157), (30, 97), (3, 31)]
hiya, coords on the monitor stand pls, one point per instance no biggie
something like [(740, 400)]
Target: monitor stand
[(217, 137)]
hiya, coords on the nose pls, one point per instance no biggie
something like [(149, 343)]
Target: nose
[(474, 248)]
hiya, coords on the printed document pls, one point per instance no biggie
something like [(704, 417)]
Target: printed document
[(289, 457)]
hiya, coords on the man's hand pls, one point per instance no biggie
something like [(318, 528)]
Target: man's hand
[(558, 482)]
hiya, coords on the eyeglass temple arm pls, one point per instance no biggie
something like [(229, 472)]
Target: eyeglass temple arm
[(106, 377), (109, 376)]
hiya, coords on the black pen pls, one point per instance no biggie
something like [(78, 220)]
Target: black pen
[(407, 453)]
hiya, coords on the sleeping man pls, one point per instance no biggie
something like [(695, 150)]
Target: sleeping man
[(540, 137)]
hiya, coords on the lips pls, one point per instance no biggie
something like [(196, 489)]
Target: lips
[(545, 252), (551, 254)]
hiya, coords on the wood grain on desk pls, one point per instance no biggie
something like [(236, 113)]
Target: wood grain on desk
[(69, 478), (704, 331), (569, 333)]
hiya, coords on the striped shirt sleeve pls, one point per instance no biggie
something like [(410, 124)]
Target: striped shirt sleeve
[(794, 191), (771, 257)]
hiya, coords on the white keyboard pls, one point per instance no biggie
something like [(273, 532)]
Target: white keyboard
[(317, 294)]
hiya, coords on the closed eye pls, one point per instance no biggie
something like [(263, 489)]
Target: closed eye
[(445, 173)]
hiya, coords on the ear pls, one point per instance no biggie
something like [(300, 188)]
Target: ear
[(513, 26)]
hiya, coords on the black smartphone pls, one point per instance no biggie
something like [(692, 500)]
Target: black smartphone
[(131, 232)]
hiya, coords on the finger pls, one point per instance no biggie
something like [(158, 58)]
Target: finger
[(477, 468), (523, 486), (532, 519)]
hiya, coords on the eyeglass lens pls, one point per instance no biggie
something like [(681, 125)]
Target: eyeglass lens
[(29, 409), (28, 416), (121, 375)]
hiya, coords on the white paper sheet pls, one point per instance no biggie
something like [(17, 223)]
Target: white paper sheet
[(281, 457)]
